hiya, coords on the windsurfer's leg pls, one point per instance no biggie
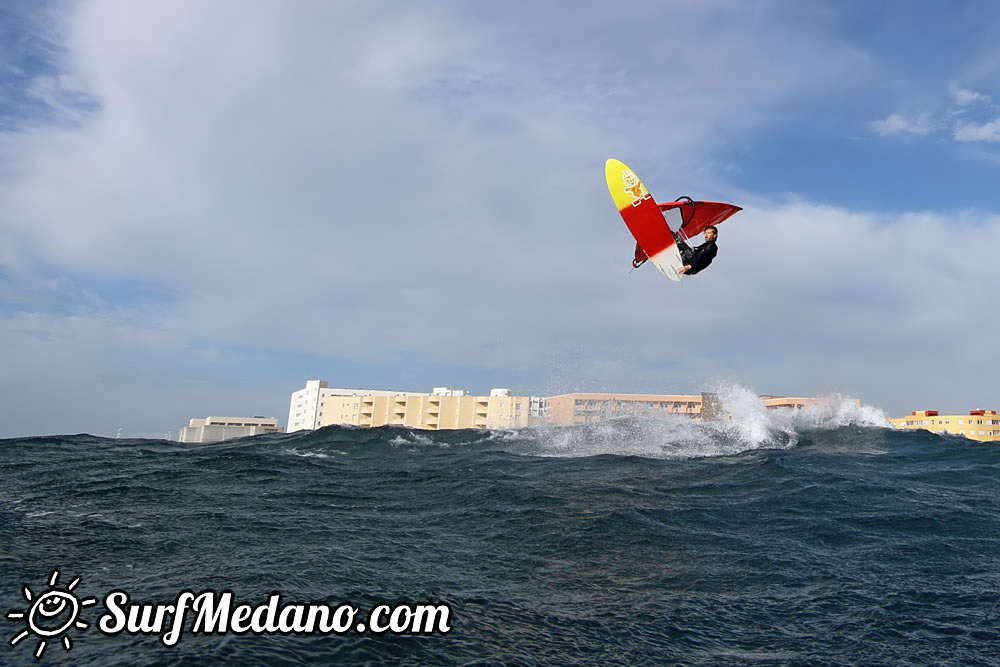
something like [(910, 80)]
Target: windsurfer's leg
[(681, 244), (686, 252)]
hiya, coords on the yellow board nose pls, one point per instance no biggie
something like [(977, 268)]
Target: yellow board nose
[(625, 187)]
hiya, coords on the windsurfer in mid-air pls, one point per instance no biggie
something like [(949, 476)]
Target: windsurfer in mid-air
[(697, 259)]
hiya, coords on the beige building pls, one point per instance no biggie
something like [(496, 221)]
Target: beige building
[(982, 425), (792, 403), (586, 408), (216, 429), (318, 405)]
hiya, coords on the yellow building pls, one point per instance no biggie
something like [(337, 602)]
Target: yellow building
[(318, 405), (304, 412), (982, 425)]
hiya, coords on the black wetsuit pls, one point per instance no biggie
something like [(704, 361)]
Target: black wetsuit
[(698, 258)]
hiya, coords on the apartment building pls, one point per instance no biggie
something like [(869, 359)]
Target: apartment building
[(586, 408), (305, 412), (318, 405), (792, 403), (216, 429), (982, 425)]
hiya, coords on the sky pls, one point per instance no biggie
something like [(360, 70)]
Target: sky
[(205, 203)]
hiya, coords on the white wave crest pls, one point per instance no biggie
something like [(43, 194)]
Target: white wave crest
[(662, 437), (409, 438), (747, 424), (310, 455), (836, 411)]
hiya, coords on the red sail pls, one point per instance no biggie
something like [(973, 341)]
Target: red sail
[(698, 215)]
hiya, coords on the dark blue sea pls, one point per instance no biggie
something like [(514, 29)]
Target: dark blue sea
[(817, 537)]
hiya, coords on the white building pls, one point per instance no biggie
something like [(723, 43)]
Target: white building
[(216, 429)]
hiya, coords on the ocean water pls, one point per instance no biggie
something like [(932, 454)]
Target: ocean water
[(774, 538)]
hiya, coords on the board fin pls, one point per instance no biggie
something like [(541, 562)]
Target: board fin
[(640, 257)]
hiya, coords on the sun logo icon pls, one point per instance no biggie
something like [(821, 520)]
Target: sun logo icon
[(51, 615)]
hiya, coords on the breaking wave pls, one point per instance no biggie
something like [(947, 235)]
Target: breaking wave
[(747, 425)]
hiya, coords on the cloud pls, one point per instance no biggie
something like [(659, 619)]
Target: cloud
[(252, 135), (897, 124), (965, 104), (970, 103), (963, 97), (989, 132)]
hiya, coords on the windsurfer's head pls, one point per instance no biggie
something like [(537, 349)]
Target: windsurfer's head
[(711, 233)]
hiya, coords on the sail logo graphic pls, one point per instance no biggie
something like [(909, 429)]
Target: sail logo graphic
[(634, 187), (51, 615)]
